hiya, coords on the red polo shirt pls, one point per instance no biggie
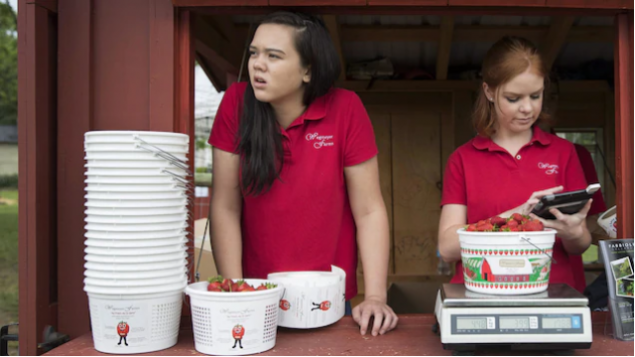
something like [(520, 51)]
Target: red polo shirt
[(305, 221), (488, 180)]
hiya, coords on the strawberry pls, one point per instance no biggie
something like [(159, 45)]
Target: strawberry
[(214, 283), (532, 226), (471, 228), (512, 223), (517, 217), (498, 221), (226, 285), (487, 227), (248, 288), (239, 286)]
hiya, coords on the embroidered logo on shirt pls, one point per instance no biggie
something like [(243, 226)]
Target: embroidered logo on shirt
[(549, 168), (320, 141)]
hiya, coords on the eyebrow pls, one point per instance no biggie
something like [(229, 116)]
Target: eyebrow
[(516, 94), (268, 49)]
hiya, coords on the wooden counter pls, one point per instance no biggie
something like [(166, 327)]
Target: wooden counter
[(413, 336)]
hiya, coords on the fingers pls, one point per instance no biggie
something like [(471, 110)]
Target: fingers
[(559, 215), (357, 315), (378, 319), (585, 210), (390, 321), (539, 194), (364, 321)]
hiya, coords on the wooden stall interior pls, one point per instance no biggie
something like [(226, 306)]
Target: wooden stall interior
[(418, 81)]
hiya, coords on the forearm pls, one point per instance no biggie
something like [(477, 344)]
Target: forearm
[(449, 247), (374, 248), (225, 233)]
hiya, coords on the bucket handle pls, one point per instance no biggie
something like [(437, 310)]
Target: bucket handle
[(527, 239), (162, 153)]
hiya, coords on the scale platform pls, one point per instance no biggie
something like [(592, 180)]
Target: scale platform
[(556, 319)]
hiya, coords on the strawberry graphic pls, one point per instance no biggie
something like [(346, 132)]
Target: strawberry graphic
[(324, 306), (285, 305)]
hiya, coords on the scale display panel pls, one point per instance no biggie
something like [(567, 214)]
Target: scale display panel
[(517, 324)]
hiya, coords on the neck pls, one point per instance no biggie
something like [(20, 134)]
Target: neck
[(289, 108), (512, 141)]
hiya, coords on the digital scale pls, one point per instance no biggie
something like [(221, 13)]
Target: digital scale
[(556, 319)]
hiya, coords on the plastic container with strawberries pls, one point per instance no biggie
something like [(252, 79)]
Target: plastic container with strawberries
[(234, 317), (506, 256)]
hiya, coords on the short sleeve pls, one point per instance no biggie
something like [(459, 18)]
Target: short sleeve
[(360, 143), (574, 175), (454, 190), (225, 129)]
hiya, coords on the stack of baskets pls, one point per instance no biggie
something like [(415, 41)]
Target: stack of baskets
[(137, 197)]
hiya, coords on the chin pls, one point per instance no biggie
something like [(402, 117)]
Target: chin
[(262, 97)]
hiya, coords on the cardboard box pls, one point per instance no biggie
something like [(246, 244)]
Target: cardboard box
[(413, 297)]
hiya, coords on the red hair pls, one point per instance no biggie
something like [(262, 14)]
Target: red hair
[(506, 59)]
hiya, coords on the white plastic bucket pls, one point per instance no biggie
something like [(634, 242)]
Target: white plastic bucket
[(165, 249), (108, 187), (134, 259), (130, 146), (506, 263), (133, 136), (134, 275), (132, 283), (135, 243), (140, 164), (98, 170), (135, 227), (131, 155), (136, 235), (153, 321), (136, 196), (311, 299), (215, 315), (137, 267), (148, 211), (132, 180), (146, 203), (137, 290), (125, 219)]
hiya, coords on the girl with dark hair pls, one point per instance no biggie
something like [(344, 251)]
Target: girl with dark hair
[(512, 163), (295, 174)]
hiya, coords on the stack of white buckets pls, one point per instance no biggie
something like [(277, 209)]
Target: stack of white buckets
[(136, 234)]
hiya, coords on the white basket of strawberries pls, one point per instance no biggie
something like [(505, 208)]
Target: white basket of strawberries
[(234, 317), (507, 256)]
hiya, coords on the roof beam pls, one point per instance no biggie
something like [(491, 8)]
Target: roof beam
[(334, 29), (555, 38), (211, 74), (444, 47), (469, 33), (212, 45)]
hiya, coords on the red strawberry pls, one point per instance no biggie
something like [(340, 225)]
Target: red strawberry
[(226, 285), (487, 227), (471, 228), (512, 223), (517, 217), (498, 221), (533, 226), (514, 229), (214, 283), (239, 286), (248, 288)]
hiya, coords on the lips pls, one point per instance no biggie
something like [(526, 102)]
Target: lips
[(258, 82)]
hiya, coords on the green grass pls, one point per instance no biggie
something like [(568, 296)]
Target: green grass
[(9, 258)]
